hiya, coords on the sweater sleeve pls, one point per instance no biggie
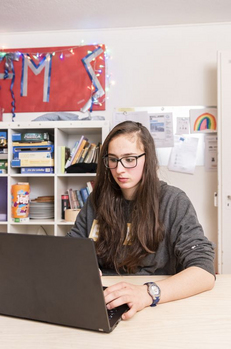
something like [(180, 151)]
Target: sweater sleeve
[(191, 246)]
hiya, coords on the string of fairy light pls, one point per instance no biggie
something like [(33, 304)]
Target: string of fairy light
[(65, 53)]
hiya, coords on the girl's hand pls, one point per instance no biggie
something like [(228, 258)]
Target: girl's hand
[(136, 296)]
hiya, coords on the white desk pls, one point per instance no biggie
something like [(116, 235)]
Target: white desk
[(202, 321)]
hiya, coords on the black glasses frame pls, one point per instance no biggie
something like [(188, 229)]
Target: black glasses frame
[(120, 160)]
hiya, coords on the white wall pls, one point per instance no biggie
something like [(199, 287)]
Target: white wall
[(162, 66), (173, 65)]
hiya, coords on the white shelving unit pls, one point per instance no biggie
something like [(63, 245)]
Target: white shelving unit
[(65, 133)]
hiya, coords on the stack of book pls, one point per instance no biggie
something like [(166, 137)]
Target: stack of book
[(83, 151), (33, 152), (77, 198), (3, 152)]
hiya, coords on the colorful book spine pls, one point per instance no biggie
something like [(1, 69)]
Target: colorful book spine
[(3, 139), (68, 162), (90, 154), (35, 155), (69, 191), (3, 134), (63, 156), (65, 153), (31, 137), (37, 169), (3, 164), (32, 162), (79, 152), (90, 185), (76, 201), (74, 204), (28, 144), (84, 153), (80, 147), (31, 148), (79, 198), (84, 193), (3, 156)]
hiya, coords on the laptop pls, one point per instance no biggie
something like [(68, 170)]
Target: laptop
[(54, 280)]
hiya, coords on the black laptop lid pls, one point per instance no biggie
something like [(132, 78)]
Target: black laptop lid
[(52, 279)]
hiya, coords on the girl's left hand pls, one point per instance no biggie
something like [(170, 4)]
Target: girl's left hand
[(136, 296)]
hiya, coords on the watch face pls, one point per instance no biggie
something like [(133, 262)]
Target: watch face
[(155, 290)]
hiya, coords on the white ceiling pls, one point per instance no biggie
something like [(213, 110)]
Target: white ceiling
[(46, 15)]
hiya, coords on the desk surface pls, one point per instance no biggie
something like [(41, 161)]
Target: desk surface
[(202, 321)]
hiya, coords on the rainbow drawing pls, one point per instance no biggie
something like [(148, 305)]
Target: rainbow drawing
[(205, 122)]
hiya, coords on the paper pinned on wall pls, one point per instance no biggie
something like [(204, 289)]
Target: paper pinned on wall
[(211, 153), (182, 126), (183, 155), (203, 120), (137, 116), (161, 128)]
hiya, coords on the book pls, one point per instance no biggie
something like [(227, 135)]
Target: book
[(90, 186), (72, 199), (83, 140), (84, 153), (3, 134), (3, 164), (84, 194), (3, 156), (80, 200), (37, 169), (63, 156), (32, 162), (69, 191), (75, 198), (90, 153), (16, 144), (31, 137), (96, 153), (3, 139), (32, 148), (68, 162), (34, 155)]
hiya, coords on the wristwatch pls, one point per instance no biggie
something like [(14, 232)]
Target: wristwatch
[(154, 292)]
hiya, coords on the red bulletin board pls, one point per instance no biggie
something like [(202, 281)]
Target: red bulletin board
[(53, 79)]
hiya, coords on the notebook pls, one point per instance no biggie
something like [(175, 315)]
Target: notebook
[(54, 280)]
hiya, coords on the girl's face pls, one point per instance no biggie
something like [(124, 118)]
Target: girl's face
[(127, 178)]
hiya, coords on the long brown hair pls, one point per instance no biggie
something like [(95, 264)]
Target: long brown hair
[(146, 230)]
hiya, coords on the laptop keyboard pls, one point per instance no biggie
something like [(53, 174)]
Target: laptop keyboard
[(112, 313)]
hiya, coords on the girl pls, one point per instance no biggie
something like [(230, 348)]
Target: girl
[(143, 226)]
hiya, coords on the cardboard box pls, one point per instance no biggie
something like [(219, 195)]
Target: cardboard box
[(70, 215)]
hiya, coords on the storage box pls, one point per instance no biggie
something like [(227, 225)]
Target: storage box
[(70, 215)]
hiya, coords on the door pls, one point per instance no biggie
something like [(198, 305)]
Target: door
[(224, 162)]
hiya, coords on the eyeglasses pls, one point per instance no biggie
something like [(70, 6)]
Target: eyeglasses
[(127, 161)]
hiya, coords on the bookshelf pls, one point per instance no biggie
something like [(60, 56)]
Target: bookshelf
[(65, 133)]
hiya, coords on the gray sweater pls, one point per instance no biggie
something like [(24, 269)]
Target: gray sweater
[(184, 243)]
